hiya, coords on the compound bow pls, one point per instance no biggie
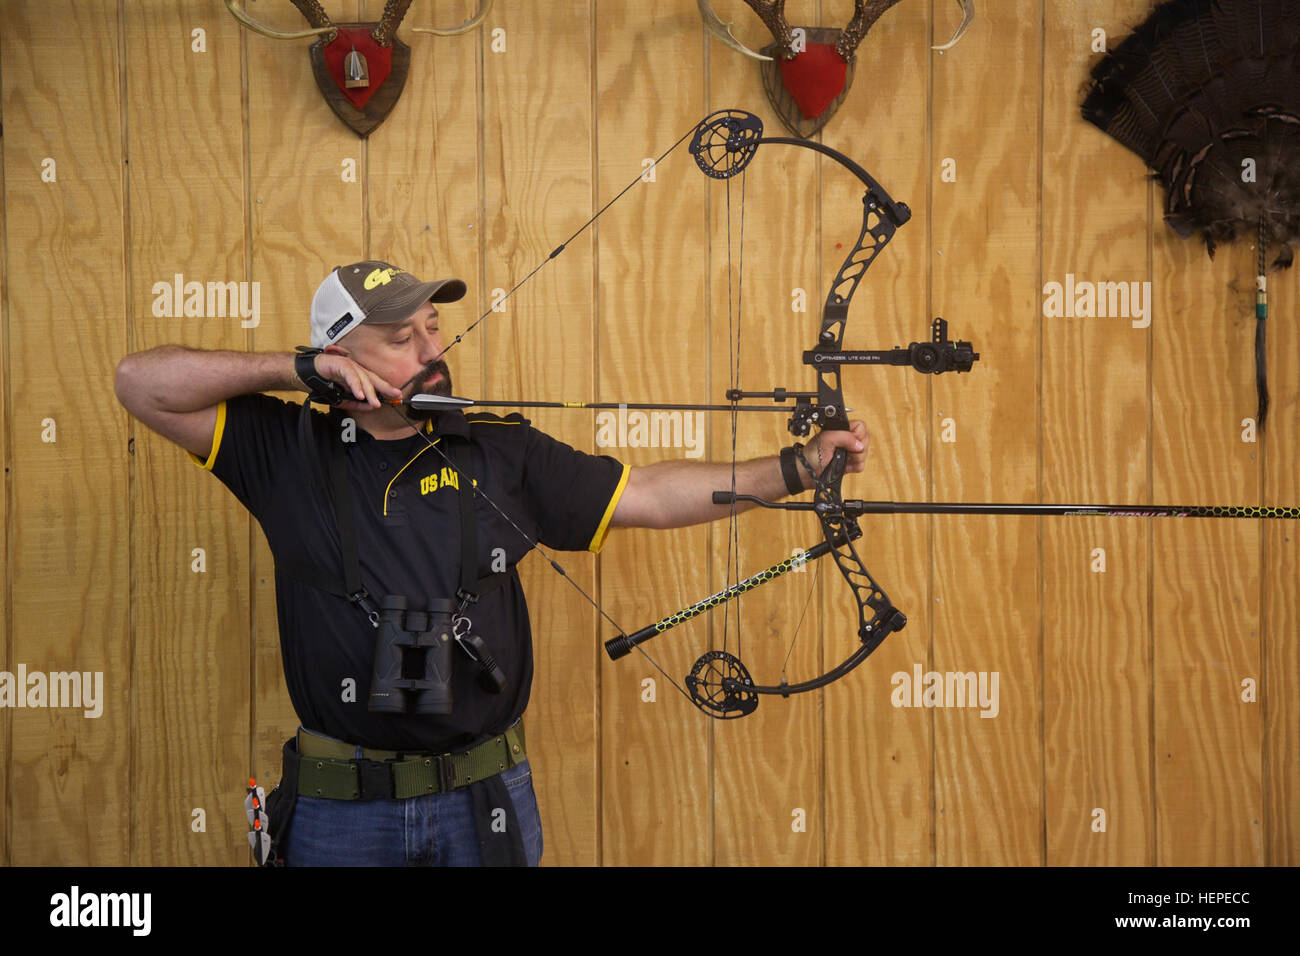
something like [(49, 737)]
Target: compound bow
[(719, 684)]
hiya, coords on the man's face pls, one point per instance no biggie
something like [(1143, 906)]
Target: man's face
[(400, 351)]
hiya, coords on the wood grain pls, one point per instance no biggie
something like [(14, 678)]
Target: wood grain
[(69, 774), (1279, 580), (1206, 600), (1095, 448), (6, 628), (768, 799), (191, 677), (539, 132), (985, 263), (879, 790), (305, 220), (657, 789)]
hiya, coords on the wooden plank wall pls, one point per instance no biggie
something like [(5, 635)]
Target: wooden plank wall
[(1124, 733)]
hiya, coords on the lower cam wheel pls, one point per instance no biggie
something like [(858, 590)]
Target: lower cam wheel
[(721, 686)]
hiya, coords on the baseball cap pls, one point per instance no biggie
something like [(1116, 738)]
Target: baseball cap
[(371, 291)]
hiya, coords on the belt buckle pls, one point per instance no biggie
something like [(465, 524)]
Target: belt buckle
[(374, 779), (446, 773)]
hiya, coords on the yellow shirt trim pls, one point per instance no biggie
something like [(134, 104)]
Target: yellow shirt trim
[(389, 488), (217, 432), (598, 539)]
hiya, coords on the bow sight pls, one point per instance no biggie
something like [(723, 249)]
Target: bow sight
[(937, 356)]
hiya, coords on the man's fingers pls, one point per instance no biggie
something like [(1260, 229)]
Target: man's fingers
[(383, 386), (369, 386), (378, 386), (357, 380)]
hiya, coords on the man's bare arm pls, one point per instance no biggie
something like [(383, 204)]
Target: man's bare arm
[(675, 494), (175, 390)]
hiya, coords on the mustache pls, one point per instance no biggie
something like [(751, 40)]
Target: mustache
[(429, 371), (418, 382)]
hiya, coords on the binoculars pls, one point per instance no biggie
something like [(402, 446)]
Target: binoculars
[(418, 642)]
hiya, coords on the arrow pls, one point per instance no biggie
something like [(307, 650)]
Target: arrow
[(442, 403)]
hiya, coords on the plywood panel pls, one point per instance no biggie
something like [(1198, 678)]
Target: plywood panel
[(306, 219), (70, 774), (1281, 580), (879, 791), (656, 793), (1096, 378), (767, 768), (1120, 690), (6, 631), (538, 146), (1206, 603), (191, 620), (986, 261)]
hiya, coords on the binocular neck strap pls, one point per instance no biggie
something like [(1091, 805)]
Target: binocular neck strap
[(343, 517), (469, 584), (338, 496), (339, 493)]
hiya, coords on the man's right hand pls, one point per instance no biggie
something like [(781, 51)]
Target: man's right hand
[(369, 389)]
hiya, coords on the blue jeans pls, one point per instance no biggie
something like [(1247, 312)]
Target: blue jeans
[(432, 830)]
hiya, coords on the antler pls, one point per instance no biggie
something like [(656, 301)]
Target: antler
[(310, 9), (772, 13), (394, 10), (967, 17), (865, 14), (457, 31)]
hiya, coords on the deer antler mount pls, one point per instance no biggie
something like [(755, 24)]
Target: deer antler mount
[(360, 68)]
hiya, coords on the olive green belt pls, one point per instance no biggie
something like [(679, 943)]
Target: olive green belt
[(328, 768)]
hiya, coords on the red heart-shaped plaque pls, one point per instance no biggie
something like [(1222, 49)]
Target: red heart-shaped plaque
[(379, 61), (814, 78)]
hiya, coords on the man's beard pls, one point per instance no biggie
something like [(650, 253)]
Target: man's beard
[(422, 386)]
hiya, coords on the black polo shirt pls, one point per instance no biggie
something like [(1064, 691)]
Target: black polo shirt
[(405, 501)]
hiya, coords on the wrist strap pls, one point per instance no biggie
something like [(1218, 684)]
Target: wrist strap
[(790, 470), (322, 390)]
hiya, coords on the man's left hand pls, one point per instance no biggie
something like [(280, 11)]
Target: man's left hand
[(820, 450)]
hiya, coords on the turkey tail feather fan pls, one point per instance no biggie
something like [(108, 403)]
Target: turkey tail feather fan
[(1207, 93)]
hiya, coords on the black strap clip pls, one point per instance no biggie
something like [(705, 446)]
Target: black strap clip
[(465, 600), (362, 600)]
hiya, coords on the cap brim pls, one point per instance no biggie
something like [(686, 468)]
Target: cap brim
[(403, 306)]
